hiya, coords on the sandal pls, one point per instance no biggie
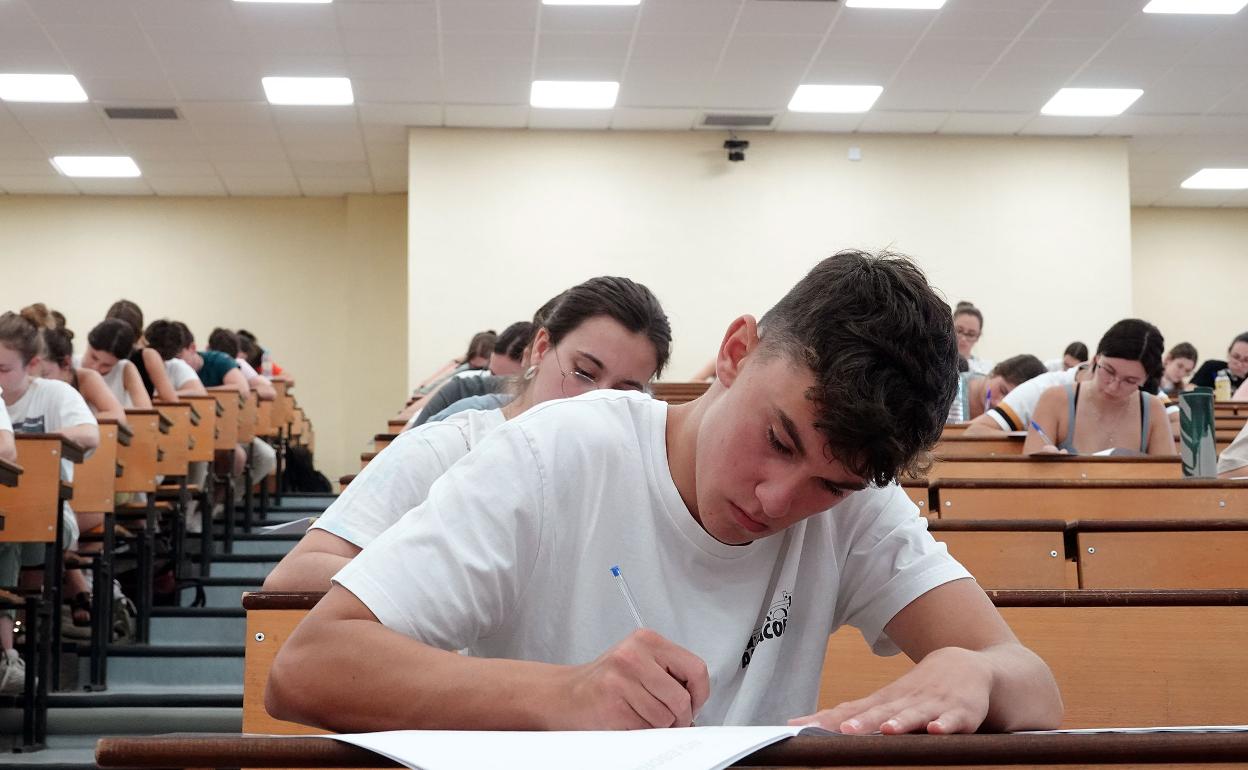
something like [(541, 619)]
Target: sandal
[(80, 606)]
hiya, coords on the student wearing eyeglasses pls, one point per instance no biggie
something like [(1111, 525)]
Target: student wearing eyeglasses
[(968, 325), (1235, 365), (1115, 408), (605, 333)]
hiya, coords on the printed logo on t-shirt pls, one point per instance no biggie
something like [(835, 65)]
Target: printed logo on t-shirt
[(30, 425), (772, 627)]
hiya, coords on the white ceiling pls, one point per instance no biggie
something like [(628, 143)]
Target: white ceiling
[(974, 67)]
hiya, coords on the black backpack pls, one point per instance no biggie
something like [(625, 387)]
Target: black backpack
[(301, 475)]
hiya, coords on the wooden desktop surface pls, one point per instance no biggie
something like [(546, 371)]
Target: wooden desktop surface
[(228, 751)]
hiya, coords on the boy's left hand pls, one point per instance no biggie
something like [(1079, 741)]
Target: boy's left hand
[(947, 692)]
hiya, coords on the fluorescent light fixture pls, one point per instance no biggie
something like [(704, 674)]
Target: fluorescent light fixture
[(309, 91), (1091, 102), (41, 88), (1218, 179), (591, 2), (1227, 7), (820, 98), (96, 166), (905, 5), (574, 94)]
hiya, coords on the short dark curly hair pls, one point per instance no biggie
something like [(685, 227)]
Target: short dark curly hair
[(881, 345)]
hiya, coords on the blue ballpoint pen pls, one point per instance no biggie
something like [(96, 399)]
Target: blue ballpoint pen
[(1043, 435)]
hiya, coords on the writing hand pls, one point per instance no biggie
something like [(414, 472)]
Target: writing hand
[(644, 681), (947, 692)]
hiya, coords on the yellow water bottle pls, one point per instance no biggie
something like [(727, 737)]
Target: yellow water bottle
[(1222, 387)]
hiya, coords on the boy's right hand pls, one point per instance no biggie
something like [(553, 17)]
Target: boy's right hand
[(644, 681)]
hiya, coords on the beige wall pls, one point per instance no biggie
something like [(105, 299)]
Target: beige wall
[(502, 220), (321, 281)]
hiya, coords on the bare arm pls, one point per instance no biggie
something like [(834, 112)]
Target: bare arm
[(87, 435), (192, 388), (403, 684), (969, 674), (8, 447), (264, 389), (155, 366), (1160, 439), (983, 425), (133, 382), (1049, 416), (234, 379), (99, 397), (311, 563)]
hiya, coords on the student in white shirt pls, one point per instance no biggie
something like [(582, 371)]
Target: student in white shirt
[(718, 512), (109, 346), (57, 363), (608, 332), (8, 449), (1014, 412), (36, 406), (263, 455)]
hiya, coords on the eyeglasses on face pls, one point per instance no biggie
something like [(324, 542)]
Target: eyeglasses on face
[(1113, 376), (966, 334)]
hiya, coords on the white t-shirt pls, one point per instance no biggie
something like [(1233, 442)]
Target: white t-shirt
[(398, 478), (249, 371), (50, 406), (5, 422), (116, 382), (180, 373), (510, 557), (977, 365), (1014, 412)]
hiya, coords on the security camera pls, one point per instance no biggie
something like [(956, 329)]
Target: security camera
[(736, 149)]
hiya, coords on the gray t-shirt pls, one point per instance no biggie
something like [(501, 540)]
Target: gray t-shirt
[(460, 387)]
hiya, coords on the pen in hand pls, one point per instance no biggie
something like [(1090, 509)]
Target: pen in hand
[(1043, 435), (631, 601)]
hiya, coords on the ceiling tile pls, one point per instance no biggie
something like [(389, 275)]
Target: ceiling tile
[(389, 41), (129, 91), (424, 88), (762, 87), (153, 131), (678, 47), (643, 119), (226, 112), (570, 119), (247, 153), (320, 168), (166, 152), (1071, 25), (466, 16), (319, 41), (958, 50), (489, 45), (176, 13), (414, 17), (1054, 125), (1181, 197), (872, 22), (749, 50), (401, 114), (1219, 50), (1237, 199), (391, 132), (387, 158), (571, 18), (237, 133), (1065, 55), (253, 168), (956, 20), (342, 133), (299, 64), (808, 121), (656, 83), (578, 69), (335, 186), (287, 17), (1099, 75), (582, 46), (181, 40), (931, 87), (786, 18), (31, 167), (850, 73), (423, 64), (985, 122), (178, 168), (38, 185), (487, 115), (885, 122), (713, 18), (102, 12), (22, 149), (487, 81), (326, 151), (123, 36), (113, 186), (14, 14), (195, 185), (137, 63), (390, 184), (245, 186), (1189, 90), (1131, 124), (1128, 52), (885, 51)]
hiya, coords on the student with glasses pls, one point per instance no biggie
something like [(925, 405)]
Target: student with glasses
[(605, 333), (1115, 408), (1235, 366), (968, 325)]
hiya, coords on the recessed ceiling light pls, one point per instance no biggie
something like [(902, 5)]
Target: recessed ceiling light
[(908, 5), (96, 166), (574, 94), (1091, 102), (591, 2), (1218, 179), (309, 91), (41, 88), (1227, 7), (821, 98)]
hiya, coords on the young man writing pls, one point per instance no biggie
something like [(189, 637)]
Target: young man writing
[(750, 524)]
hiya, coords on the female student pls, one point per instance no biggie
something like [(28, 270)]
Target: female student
[(38, 406), (57, 363), (605, 333), (1177, 365), (985, 392), (1115, 409), (968, 324), (109, 347), (1235, 366)]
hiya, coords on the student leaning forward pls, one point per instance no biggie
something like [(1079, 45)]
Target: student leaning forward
[(772, 497)]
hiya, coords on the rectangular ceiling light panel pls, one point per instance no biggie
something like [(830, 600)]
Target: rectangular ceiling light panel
[(98, 166), (1226, 7), (41, 88), (308, 91), (574, 94), (1218, 179), (828, 98), (1091, 102), (905, 5)]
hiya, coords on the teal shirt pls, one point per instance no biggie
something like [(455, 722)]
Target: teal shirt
[(216, 366)]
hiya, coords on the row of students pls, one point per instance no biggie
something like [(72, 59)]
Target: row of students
[(751, 522)]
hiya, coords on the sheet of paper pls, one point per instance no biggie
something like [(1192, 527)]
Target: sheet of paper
[(1138, 730), (691, 748), (296, 527)]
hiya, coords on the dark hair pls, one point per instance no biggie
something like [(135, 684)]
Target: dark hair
[(1136, 340), (224, 341), (963, 365), (967, 308), (881, 346), (113, 335), (1076, 350), (1241, 338), (514, 340), (247, 335), (1184, 350), (59, 318), (21, 334), (480, 346), (165, 338), (128, 312), (629, 303), (250, 351), (1018, 369), (188, 339), (58, 346)]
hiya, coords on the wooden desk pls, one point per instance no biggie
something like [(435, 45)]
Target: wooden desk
[(230, 401), (229, 751), (1075, 499), (1055, 467), (139, 459), (175, 444), (95, 481), (9, 474), (1193, 554), (1006, 444), (1011, 553), (678, 392), (383, 440)]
